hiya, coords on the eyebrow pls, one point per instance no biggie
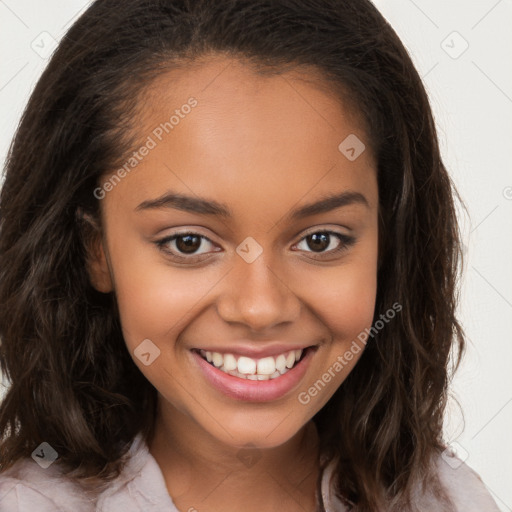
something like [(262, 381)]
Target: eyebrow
[(204, 206)]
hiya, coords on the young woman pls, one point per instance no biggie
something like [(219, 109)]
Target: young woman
[(228, 268)]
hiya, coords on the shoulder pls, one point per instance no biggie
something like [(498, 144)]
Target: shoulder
[(26, 486), (464, 486), (460, 482)]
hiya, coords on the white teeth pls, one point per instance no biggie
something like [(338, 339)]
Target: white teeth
[(229, 362), (265, 368), (246, 365), (217, 359), (281, 363)]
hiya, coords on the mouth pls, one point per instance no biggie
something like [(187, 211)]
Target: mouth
[(254, 379), (243, 367)]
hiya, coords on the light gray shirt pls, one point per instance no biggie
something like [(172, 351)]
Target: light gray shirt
[(27, 487)]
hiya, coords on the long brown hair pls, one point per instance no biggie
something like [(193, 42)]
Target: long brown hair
[(72, 382)]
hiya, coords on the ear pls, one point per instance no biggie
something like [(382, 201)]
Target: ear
[(97, 264)]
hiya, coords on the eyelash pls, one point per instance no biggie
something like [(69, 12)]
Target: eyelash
[(346, 242)]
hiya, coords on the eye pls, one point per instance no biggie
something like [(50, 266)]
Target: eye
[(184, 246), (327, 242)]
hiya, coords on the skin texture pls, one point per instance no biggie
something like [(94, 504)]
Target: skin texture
[(263, 146)]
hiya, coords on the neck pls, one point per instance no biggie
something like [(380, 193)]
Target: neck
[(201, 472)]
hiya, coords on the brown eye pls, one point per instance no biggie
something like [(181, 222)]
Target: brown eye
[(318, 241), (185, 246), (188, 243), (326, 242)]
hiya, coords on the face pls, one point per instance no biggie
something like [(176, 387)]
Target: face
[(215, 252)]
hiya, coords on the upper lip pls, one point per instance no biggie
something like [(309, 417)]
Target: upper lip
[(256, 352)]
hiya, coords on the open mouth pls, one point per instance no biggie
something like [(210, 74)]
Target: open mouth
[(266, 368)]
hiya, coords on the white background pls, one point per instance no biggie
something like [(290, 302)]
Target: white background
[(471, 95)]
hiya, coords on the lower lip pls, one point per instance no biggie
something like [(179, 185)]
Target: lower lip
[(255, 390)]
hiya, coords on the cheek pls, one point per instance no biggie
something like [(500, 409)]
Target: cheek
[(346, 306), (154, 299), (343, 297), (349, 308)]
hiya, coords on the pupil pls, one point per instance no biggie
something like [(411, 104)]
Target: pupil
[(189, 243), (318, 241)]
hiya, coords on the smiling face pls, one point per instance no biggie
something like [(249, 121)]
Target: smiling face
[(255, 272)]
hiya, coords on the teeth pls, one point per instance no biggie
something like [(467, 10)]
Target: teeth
[(253, 369), (245, 365), (217, 359), (229, 362), (266, 366), (281, 363)]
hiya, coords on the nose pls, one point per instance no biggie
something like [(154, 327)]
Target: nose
[(258, 296)]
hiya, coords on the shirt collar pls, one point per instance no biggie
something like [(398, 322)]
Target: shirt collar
[(142, 479)]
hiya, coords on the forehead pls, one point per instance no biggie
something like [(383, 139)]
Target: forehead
[(260, 143)]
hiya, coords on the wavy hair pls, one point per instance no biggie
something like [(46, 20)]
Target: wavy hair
[(71, 379)]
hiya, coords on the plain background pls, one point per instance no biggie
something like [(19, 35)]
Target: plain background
[(462, 51)]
